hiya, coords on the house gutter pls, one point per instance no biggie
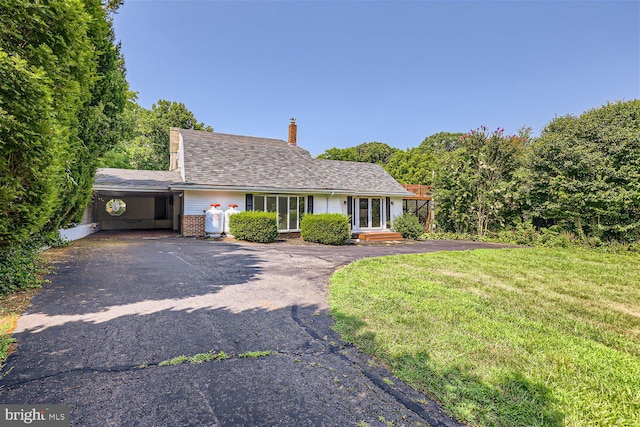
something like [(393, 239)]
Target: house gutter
[(133, 189), (196, 187)]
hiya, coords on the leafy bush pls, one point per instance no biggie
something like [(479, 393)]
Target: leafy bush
[(328, 229), (20, 267), (408, 225), (261, 227), (524, 233)]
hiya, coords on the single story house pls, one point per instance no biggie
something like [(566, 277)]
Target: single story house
[(260, 174)]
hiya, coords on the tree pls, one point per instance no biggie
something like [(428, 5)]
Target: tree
[(346, 154), (148, 145), (61, 80), (374, 152), (62, 88), (584, 173), (100, 118), (475, 189), (412, 166), (440, 143), (367, 152)]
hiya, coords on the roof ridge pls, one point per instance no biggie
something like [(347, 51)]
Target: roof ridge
[(233, 135)]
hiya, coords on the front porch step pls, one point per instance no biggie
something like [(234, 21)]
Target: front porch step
[(380, 236)]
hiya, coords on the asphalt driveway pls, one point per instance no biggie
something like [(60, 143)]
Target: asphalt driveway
[(93, 337)]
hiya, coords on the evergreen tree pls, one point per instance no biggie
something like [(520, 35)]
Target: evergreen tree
[(62, 88)]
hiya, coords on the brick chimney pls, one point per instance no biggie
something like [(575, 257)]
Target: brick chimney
[(293, 132)]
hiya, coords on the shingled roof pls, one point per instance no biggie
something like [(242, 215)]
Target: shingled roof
[(139, 180), (217, 160)]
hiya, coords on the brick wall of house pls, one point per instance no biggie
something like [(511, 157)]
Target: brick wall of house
[(193, 225)]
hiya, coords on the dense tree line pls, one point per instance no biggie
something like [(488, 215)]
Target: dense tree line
[(580, 176), (583, 173)]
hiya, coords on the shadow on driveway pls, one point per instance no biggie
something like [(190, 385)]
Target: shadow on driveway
[(116, 307)]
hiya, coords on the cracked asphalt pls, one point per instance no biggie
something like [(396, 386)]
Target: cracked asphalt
[(118, 305)]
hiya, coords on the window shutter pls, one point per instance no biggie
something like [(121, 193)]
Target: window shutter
[(249, 202), (310, 204), (350, 208)]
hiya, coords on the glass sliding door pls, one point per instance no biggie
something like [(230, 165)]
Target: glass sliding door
[(293, 213), (288, 208), (271, 204), (283, 210)]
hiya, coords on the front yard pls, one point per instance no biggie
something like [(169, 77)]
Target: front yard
[(511, 337)]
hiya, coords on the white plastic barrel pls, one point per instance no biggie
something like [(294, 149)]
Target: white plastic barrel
[(231, 211), (214, 220)]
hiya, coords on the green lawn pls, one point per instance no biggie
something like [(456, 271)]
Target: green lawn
[(509, 337)]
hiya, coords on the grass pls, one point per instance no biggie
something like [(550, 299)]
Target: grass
[(11, 306), (212, 356), (196, 358), (512, 337)]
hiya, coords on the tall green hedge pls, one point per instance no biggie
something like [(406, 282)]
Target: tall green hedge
[(261, 227), (328, 229), (62, 94)]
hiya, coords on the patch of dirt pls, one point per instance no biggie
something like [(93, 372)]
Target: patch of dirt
[(11, 306), (135, 234)]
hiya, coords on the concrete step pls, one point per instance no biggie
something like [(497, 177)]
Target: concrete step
[(380, 236)]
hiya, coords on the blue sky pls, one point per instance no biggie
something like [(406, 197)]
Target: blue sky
[(394, 72)]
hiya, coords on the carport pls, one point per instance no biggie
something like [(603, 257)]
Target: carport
[(133, 199)]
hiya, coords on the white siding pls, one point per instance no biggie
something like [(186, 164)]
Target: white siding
[(396, 207), (319, 204), (325, 203), (343, 203), (197, 202), (335, 204)]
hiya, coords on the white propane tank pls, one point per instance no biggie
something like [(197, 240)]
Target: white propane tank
[(231, 211), (214, 217)]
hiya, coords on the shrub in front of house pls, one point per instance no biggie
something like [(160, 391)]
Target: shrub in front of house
[(261, 227), (408, 225), (328, 229)]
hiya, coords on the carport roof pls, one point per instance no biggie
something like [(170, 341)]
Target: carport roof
[(109, 179)]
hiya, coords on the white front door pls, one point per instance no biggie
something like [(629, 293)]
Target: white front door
[(369, 213)]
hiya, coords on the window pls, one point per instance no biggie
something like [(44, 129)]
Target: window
[(282, 213), (289, 209), (258, 202), (376, 214), (364, 213), (293, 213), (116, 207)]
